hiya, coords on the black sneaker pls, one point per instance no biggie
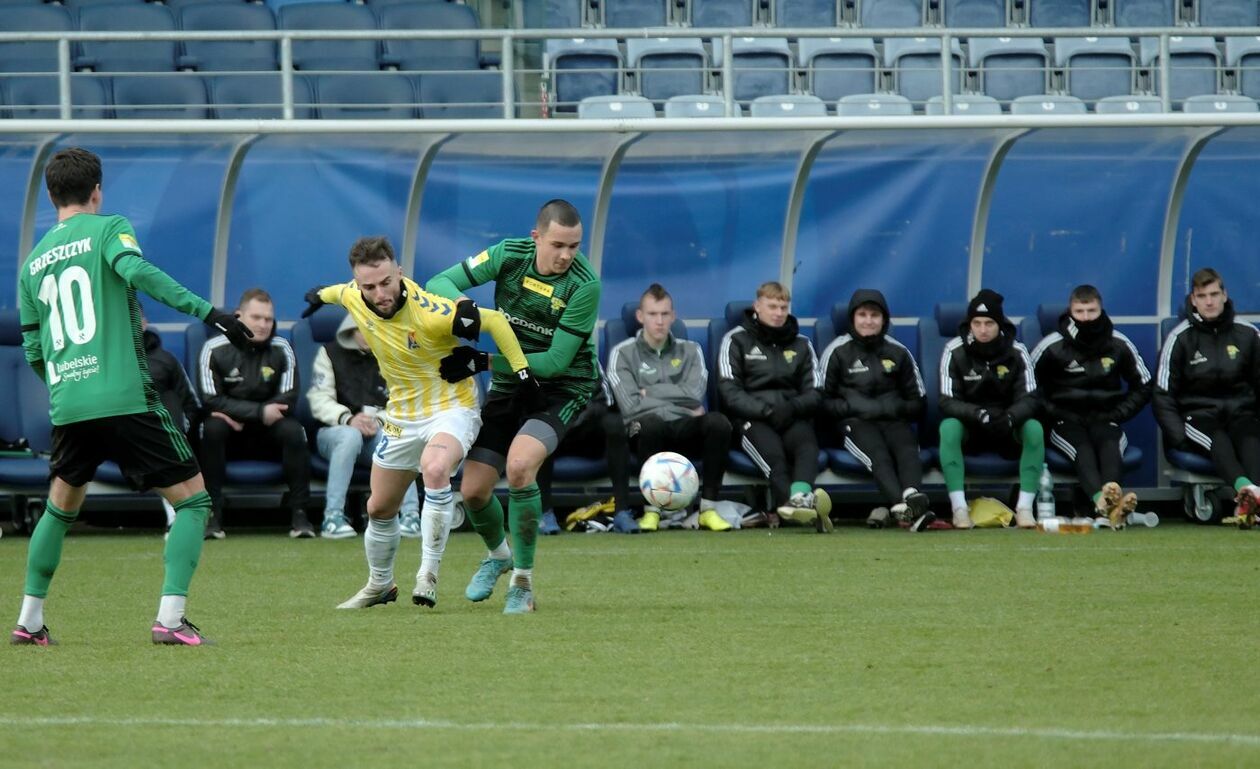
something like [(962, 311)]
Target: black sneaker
[(923, 522), (23, 637), (301, 527)]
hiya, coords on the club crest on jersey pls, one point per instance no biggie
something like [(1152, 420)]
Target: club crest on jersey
[(412, 344), (888, 365), (537, 286), (1107, 363), (675, 362), (557, 304), (788, 355), (1002, 371), (267, 373), (1231, 351)]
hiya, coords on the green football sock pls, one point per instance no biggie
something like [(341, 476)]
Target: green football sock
[(799, 487), (952, 435), (1033, 455), (488, 522), (524, 507), (1242, 482), (183, 546), (44, 553)]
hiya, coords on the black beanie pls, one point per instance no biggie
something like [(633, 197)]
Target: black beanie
[(986, 304)]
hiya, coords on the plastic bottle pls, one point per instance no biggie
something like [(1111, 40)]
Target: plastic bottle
[(1150, 520), (1045, 495), (1054, 525)]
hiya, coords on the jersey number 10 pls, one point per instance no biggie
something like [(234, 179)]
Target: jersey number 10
[(58, 292)]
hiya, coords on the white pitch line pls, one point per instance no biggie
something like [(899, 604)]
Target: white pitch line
[(941, 730)]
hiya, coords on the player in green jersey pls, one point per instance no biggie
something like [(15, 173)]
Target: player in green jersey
[(82, 334), (550, 294)]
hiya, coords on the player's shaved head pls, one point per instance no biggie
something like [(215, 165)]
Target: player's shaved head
[(71, 176), (559, 211), (371, 250)]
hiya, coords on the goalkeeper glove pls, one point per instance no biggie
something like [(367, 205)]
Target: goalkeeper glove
[(530, 397)]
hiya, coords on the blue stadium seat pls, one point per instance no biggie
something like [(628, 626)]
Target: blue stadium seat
[(788, 105), (431, 54), (20, 473), (1096, 66), (975, 13), (76, 7), (805, 13), (1009, 66), (667, 66), (964, 104), (309, 335), (698, 105), (874, 105), (549, 14), (762, 66), (723, 13), (891, 13), (36, 97), (278, 5), (366, 96), (259, 97), (636, 13), (838, 66), (618, 106), (177, 6), (916, 65), (1048, 104), (1145, 13), (1127, 105), (174, 97), (1059, 13), (1223, 102), (1192, 68), (228, 55), (119, 56), (461, 95), (580, 67), (1188, 466), (1243, 53), (331, 54), (32, 57), (1229, 13)]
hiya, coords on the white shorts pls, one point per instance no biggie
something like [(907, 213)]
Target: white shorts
[(403, 441)]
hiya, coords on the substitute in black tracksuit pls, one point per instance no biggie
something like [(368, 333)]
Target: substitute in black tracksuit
[(1090, 380), (872, 391), (1207, 384), (767, 385), (251, 395)]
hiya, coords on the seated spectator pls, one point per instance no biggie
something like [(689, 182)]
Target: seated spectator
[(345, 395), (767, 380), (659, 384), (871, 393), (250, 394), (988, 398), (172, 385), (597, 432), (1090, 380), (1206, 389)]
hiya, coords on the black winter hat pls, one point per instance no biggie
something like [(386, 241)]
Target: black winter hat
[(986, 304)]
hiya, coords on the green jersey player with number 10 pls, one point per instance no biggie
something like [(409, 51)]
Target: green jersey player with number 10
[(82, 334), (550, 294)]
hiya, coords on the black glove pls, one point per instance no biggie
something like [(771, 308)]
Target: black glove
[(313, 302), (530, 397), (462, 363), (230, 326), (781, 416), (467, 321)]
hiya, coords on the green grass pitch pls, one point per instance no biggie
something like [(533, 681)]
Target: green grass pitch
[(677, 649)]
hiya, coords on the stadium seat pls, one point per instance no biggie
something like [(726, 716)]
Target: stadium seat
[(1048, 104), (120, 56), (891, 13), (309, 335), (1096, 66), (228, 55), (461, 95), (1224, 102), (177, 6), (975, 13), (431, 54), (805, 13), (1229, 13), (916, 65), (698, 105), (964, 104), (1144, 13), (37, 97), (789, 105), (1059, 13), (331, 54), (622, 106), (278, 5), (549, 14), (168, 97), (259, 97), (75, 7), (19, 473), (838, 66), (1009, 66), (580, 67), (1193, 65), (667, 66), (1243, 54), (874, 105), (1134, 104), (626, 325), (636, 13), (366, 96), (762, 66), (723, 13), (32, 56)]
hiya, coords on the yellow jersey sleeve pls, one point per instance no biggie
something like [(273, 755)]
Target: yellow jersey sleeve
[(493, 322), (332, 294)]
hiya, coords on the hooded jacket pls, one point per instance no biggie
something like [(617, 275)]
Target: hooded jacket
[(345, 378), (1089, 371), (239, 382), (985, 376), (872, 377), (672, 380), (171, 382), (761, 367), (1206, 368)]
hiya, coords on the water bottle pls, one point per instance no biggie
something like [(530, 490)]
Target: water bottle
[(1045, 495), (1053, 525), (1150, 520)]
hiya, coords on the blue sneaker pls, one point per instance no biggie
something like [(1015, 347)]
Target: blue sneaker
[(624, 523), (481, 586), (547, 525), (520, 600)]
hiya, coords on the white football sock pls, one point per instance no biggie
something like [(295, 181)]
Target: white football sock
[(435, 526), (32, 614), (170, 512), (380, 541), (523, 578), (957, 500), (502, 552), (171, 610), (1025, 500)]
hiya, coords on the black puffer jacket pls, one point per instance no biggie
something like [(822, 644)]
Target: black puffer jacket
[(1206, 368), (873, 377), (760, 367), (171, 382), (996, 375), (1089, 371)]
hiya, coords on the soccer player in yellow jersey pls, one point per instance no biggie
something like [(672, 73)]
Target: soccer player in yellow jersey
[(432, 416)]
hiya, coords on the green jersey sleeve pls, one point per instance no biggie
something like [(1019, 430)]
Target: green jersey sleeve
[(28, 315), (582, 312), (452, 282), (123, 255)]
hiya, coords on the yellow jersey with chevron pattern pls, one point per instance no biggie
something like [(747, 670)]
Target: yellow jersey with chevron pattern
[(408, 347)]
